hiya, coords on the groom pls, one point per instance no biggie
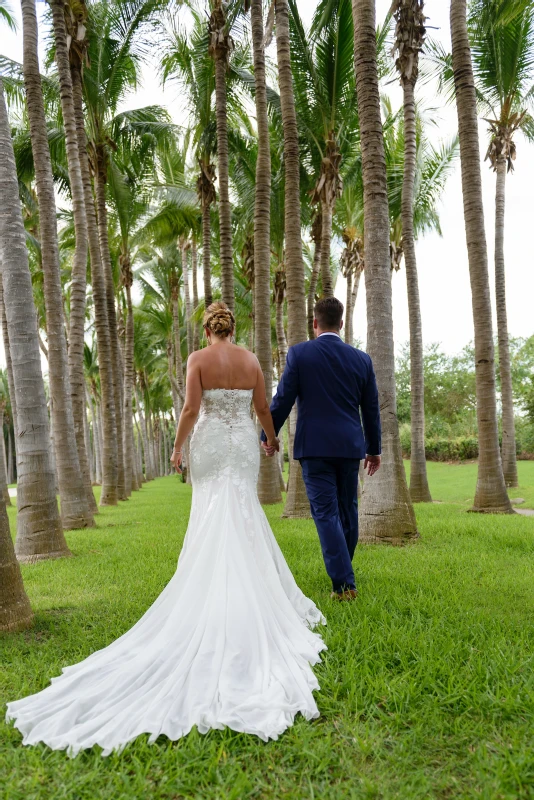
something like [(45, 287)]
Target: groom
[(332, 383)]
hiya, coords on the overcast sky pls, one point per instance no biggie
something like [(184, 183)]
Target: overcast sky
[(442, 261)]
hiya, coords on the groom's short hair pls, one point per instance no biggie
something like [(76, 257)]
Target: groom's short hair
[(329, 312)]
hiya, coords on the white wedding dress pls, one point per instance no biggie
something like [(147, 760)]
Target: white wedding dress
[(227, 643)]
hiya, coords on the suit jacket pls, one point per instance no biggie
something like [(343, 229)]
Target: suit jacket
[(332, 383)]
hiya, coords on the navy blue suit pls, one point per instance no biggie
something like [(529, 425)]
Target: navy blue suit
[(332, 384)]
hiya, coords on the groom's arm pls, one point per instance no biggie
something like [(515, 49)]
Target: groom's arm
[(286, 393), (370, 409)]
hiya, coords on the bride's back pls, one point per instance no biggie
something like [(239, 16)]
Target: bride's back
[(224, 365)]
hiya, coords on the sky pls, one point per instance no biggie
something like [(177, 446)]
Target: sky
[(442, 261)]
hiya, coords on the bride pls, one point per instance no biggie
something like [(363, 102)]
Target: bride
[(228, 642)]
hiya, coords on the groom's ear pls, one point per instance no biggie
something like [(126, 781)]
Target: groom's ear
[(341, 325), (315, 325)]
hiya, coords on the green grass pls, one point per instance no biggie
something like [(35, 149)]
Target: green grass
[(455, 483), (427, 688)]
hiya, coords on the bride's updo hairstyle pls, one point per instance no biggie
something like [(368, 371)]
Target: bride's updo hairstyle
[(219, 320)]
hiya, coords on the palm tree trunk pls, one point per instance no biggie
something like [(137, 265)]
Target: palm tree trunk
[(269, 481), (15, 610), (159, 446), (281, 341), (139, 452), (174, 388), (153, 444), (166, 456), (354, 296), (419, 489), (79, 265), (490, 495), (326, 237), (296, 502), (509, 460), (348, 308), (142, 477), (136, 485), (128, 388), (88, 446), (10, 457), (386, 512), (194, 271), (97, 438), (39, 531), (281, 334), (144, 433), (178, 349), (187, 298), (74, 508), (206, 246), (108, 429), (7, 353), (102, 221), (3, 469), (314, 277), (220, 49)]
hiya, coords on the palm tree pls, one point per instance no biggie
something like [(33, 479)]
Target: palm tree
[(79, 266), (15, 609), (387, 513), (161, 312), (490, 493), (128, 432), (4, 404), (186, 60), (409, 39), (39, 531), (323, 69), (269, 481), (116, 49), (503, 63), (316, 235), (7, 352), (74, 508), (220, 47), (432, 168), (297, 504), (78, 58), (130, 189)]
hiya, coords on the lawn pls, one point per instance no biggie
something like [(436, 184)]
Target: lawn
[(427, 688)]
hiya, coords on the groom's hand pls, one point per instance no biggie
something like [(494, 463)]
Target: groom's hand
[(371, 464)]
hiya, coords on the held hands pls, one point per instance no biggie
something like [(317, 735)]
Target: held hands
[(271, 446), (371, 464)]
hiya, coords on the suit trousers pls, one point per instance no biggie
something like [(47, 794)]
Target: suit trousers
[(332, 489)]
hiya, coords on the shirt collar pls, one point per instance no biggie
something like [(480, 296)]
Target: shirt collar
[(329, 333)]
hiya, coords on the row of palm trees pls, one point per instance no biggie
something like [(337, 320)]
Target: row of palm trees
[(150, 202)]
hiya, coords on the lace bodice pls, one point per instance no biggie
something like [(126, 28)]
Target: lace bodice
[(225, 443), (227, 405)]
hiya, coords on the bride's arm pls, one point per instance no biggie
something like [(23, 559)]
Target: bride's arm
[(193, 397), (261, 407)]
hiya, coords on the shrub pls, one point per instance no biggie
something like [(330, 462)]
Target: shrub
[(442, 448)]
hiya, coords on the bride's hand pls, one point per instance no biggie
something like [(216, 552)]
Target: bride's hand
[(274, 444), (176, 461)]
